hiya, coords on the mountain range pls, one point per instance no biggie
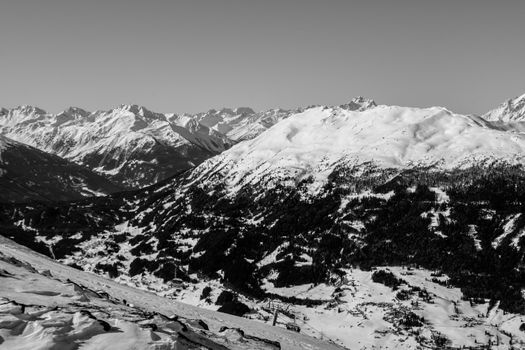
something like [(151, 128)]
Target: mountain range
[(132, 147), (364, 225)]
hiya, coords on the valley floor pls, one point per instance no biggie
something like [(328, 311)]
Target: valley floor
[(358, 313)]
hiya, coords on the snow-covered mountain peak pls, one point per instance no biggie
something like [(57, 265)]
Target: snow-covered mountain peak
[(28, 110), (359, 104), (75, 111), (243, 110), (133, 108), (512, 110), (315, 141), (225, 110), (138, 111), (23, 115), (71, 114)]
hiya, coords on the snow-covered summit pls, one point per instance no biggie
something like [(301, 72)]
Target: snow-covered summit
[(246, 110), (27, 109), (139, 111), (75, 111), (359, 104), (512, 110), (315, 141), (71, 114)]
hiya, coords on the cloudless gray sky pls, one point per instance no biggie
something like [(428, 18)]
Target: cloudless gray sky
[(189, 56)]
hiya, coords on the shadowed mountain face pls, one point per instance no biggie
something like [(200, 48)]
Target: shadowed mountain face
[(27, 174)]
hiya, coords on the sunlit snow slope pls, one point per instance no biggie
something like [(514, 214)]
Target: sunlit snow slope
[(45, 305), (314, 142)]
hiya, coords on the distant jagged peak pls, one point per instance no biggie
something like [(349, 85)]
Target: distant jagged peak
[(243, 110), (74, 112), (225, 110), (71, 114), (512, 110), (230, 111), (209, 111), (133, 108), (29, 110), (139, 111), (359, 103), (221, 111)]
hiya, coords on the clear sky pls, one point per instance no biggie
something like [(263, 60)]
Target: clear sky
[(189, 56)]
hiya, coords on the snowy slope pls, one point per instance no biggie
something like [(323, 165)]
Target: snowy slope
[(129, 144), (45, 305), (512, 110), (360, 313), (27, 173), (314, 142)]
